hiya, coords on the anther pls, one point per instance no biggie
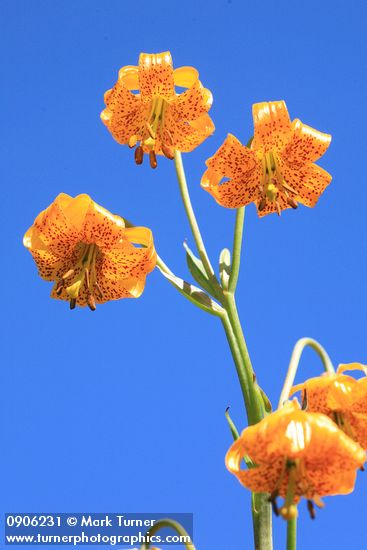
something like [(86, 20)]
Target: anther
[(152, 159), (292, 203), (68, 274), (273, 500), (132, 141), (139, 155), (168, 151), (72, 303), (304, 400), (91, 302), (362, 468), (311, 509), (59, 287), (278, 208), (262, 204)]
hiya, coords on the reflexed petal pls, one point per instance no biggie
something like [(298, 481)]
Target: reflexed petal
[(120, 100), (309, 181), (358, 423), (272, 126), (125, 115), (331, 479), (101, 227), (156, 75), (185, 77), (327, 393), (240, 164), (125, 260), (306, 145), (185, 136), (191, 104), (56, 229), (262, 479), (125, 288), (129, 76)]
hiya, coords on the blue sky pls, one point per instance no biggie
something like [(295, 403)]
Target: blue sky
[(123, 409)]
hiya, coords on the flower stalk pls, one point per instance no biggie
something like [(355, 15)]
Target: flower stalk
[(294, 362), (292, 534)]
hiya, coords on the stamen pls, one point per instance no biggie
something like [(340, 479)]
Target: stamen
[(151, 131), (98, 288), (139, 155), (168, 151), (170, 139), (133, 140), (91, 302), (152, 159), (273, 500), (59, 288), (72, 303), (292, 203), (278, 208), (262, 204), (304, 400), (87, 280), (311, 509), (285, 184)]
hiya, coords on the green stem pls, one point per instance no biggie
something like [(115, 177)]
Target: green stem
[(294, 362), (163, 266), (292, 534), (262, 521), (193, 222), (170, 524), (237, 343), (261, 508), (236, 252)]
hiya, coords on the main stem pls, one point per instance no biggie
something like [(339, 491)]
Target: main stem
[(261, 508), (292, 534)]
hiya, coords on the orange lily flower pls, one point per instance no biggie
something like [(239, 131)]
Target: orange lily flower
[(342, 398), (277, 171), (156, 118), (296, 454), (89, 252)]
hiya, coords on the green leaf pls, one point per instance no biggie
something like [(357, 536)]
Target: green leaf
[(197, 270), (194, 294), (266, 401), (231, 425), (225, 267)]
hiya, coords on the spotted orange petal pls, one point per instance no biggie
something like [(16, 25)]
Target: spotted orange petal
[(309, 181), (272, 126), (125, 114), (306, 144), (241, 166), (185, 135), (156, 75), (191, 104)]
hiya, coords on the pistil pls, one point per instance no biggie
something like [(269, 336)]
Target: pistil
[(85, 277), (154, 124), (273, 184)]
